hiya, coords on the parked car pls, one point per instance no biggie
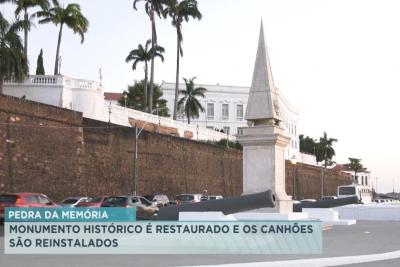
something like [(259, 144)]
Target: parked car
[(187, 198), (25, 200), (328, 197), (159, 199), (71, 202), (92, 202), (308, 200), (144, 208), (215, 197)]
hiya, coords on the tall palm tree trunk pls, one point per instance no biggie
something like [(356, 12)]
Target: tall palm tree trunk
[(177, 74), (145, 101), (153, 44), (1, 84), (56, 70), (26, 18), (188, 114), (322, 181)]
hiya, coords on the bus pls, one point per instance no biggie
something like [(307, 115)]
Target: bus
[(363, 193)]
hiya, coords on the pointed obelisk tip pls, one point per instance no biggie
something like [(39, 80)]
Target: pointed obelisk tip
[(263, 105)]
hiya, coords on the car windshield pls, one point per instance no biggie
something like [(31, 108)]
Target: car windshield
[(8, 199), (94, 200), (185, 197), (145, 201), (349, 190), (115, 201), (69, 201), (149, 197)]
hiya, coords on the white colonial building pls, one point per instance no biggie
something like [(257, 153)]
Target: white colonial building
[(225, 108), (88, 97)]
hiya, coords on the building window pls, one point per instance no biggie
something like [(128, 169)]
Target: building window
[(239, 112), (210, 111), (366, 180), (225, 112), (227, 130), (362, 180)]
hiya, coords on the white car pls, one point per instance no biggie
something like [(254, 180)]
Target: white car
[(215, 197), (71, 202)]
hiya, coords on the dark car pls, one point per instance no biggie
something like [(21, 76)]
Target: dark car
[(144, 208), (24, 200), (159, 199)]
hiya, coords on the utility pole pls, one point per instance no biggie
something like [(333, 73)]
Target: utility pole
[(135, 162)]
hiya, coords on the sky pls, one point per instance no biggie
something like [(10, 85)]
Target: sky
[(337, 61)]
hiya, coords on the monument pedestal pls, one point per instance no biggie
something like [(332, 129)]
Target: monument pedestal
[(264, 163)]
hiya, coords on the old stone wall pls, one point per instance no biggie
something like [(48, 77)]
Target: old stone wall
[(307, 180), (40, 147), (57, 152)]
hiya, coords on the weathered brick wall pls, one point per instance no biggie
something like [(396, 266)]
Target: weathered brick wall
[(40, 147), (165, 164), (308, 181), (57, 152)]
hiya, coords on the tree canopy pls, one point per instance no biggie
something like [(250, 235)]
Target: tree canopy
[(135, 95), (189, 102), (12, 60), (356, 166), (307, 145), (71, 16)]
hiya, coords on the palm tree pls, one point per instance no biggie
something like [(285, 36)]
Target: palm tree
[(144, 54), (152, 8), (12, 59), (22, 7), (325, 153), (180, 11), (189, 101), (71, 16), (356, 166)]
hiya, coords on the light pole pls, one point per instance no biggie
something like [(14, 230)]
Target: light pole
[(135, 178), (125, 98), (109, 112), (293, 160)]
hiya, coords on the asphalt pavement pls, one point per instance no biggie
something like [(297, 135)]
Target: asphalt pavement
[(361, 239)]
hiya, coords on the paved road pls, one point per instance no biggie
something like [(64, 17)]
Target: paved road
[(363, 238)]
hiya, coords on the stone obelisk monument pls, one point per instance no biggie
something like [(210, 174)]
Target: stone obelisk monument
[(264, 140)]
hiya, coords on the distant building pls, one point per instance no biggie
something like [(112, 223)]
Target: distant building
[(112, 98), (362, 178), (225, 108)]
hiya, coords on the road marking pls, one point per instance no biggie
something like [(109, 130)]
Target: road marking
[(319, 262)]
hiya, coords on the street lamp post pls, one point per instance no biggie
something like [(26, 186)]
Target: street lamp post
[(137, 134), (125, 98), (293, 160), (109, 112)]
